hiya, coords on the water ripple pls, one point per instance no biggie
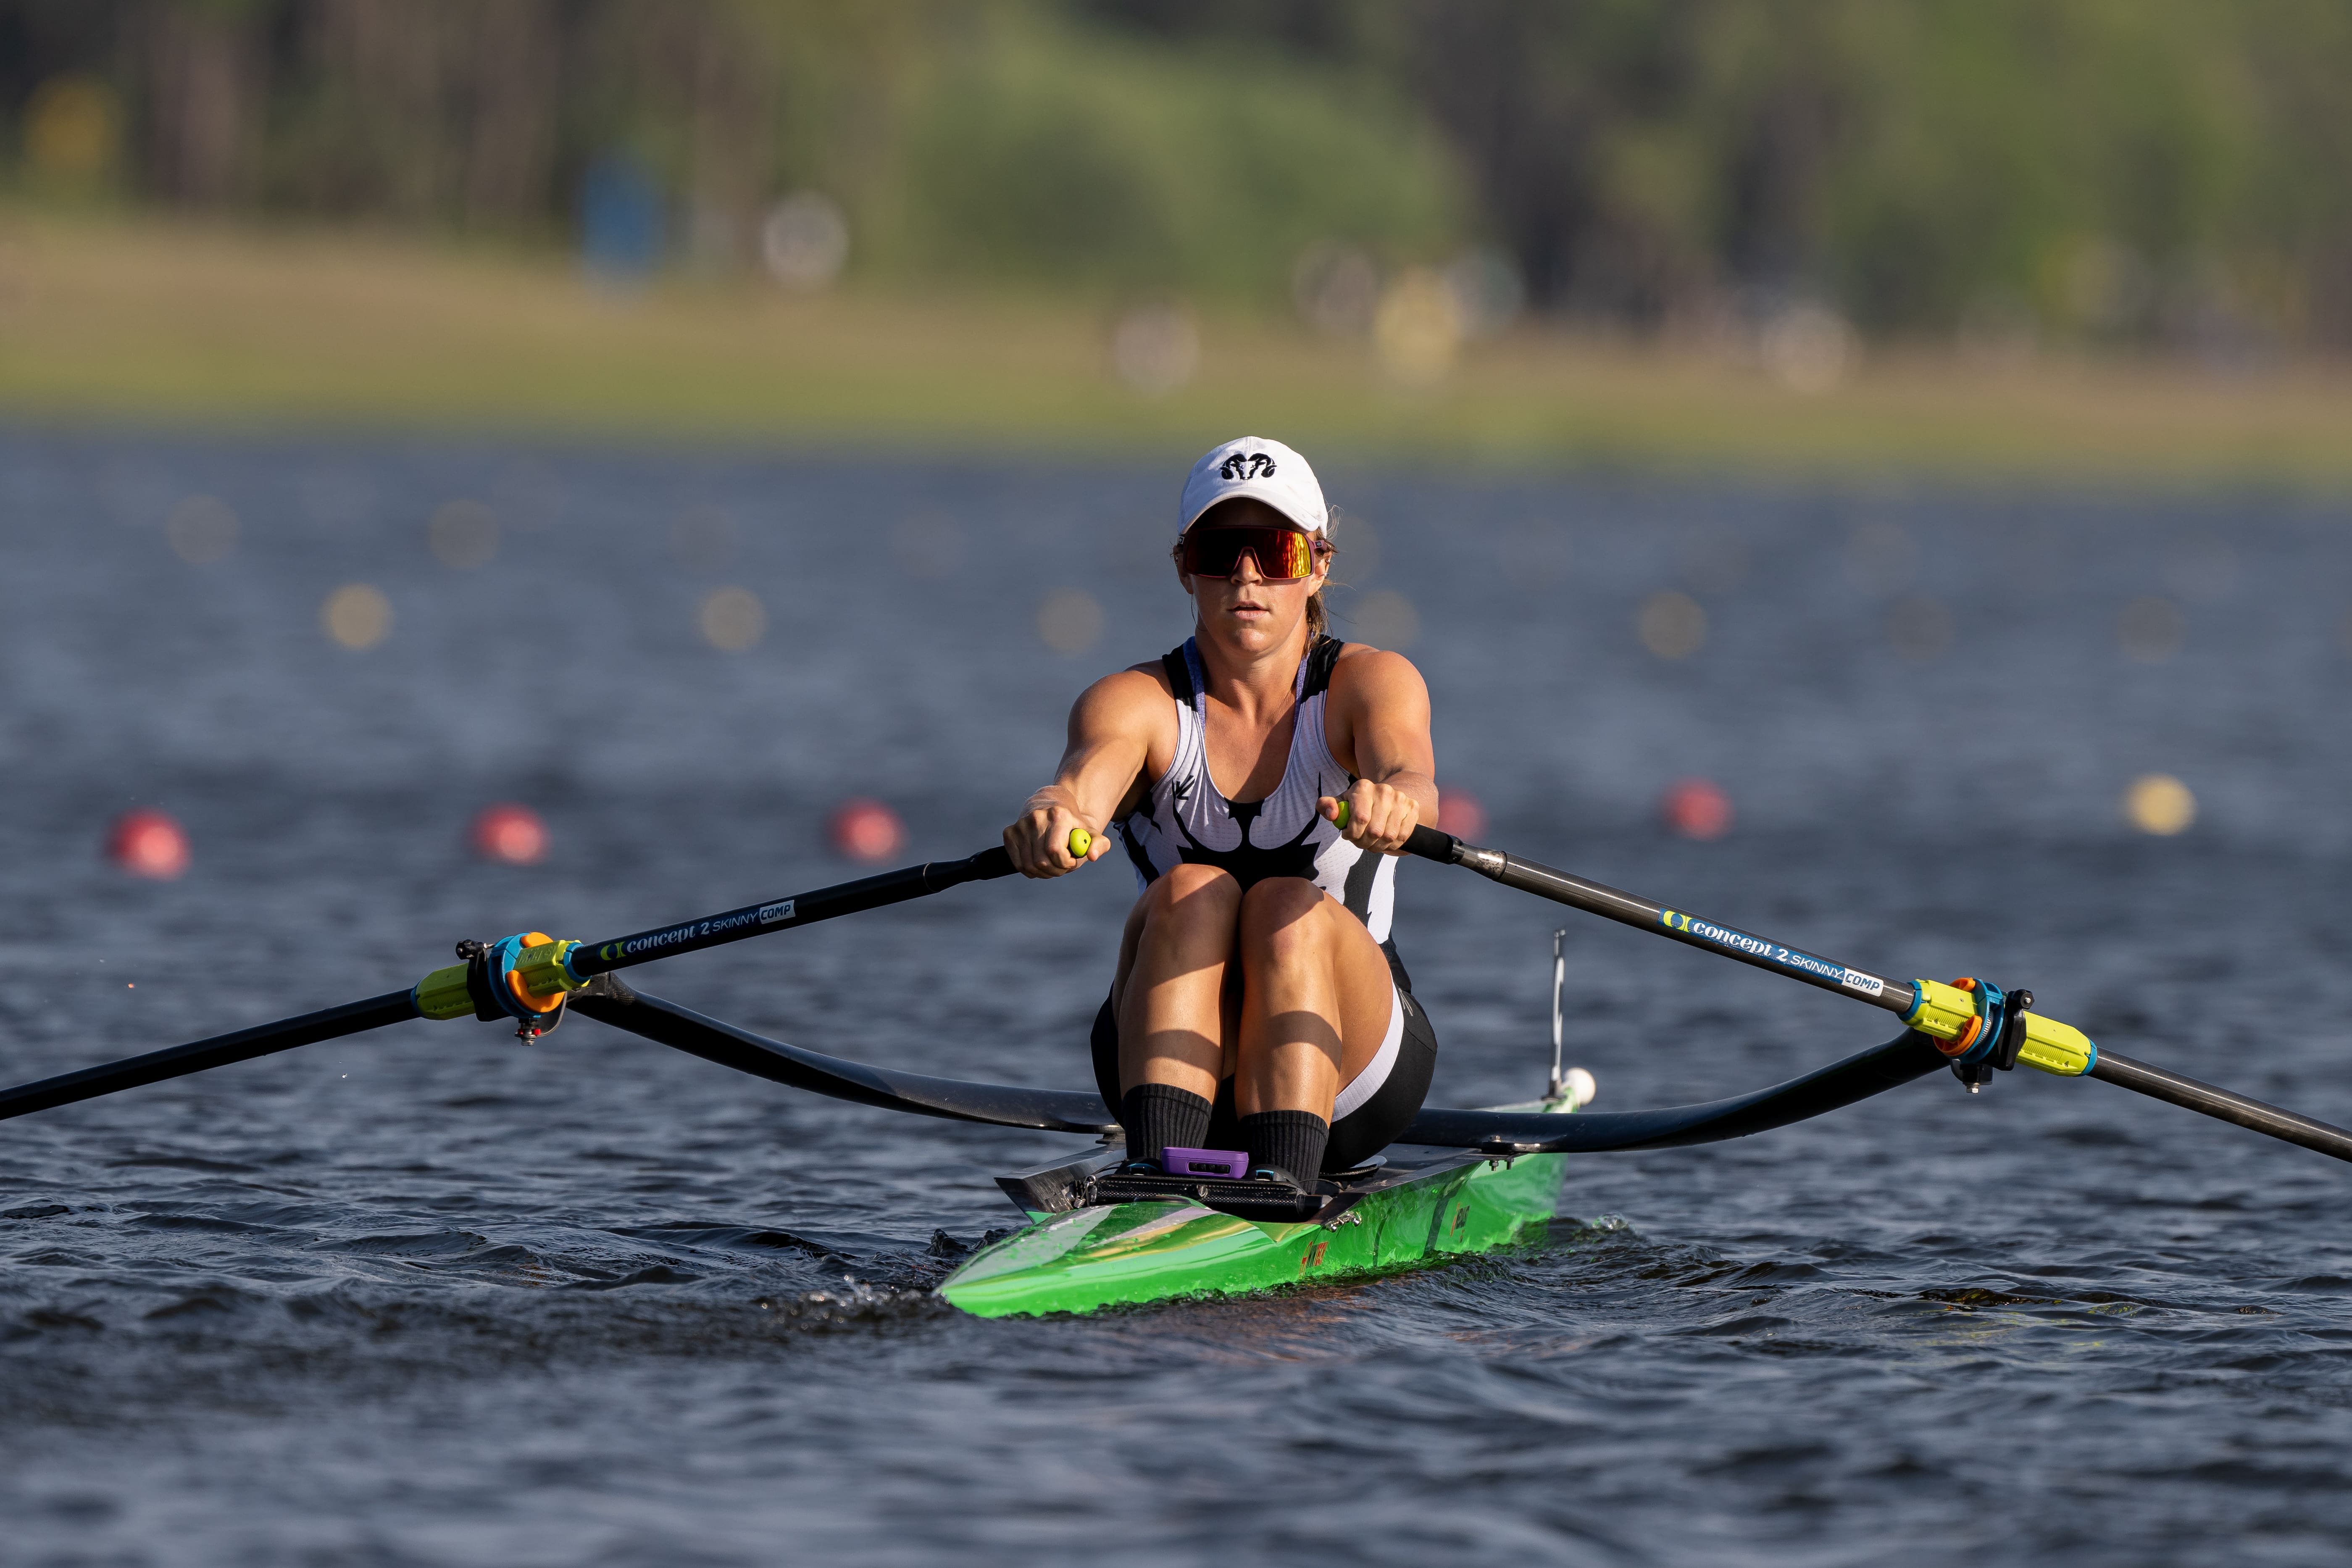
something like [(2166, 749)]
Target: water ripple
[(434, 1298)]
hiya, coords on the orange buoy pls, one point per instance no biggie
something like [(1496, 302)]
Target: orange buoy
[(1459, 813), (511, 835), (1695, 808), (148, 844), (865, 830)]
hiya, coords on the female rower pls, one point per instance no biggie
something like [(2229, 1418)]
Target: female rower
[(1258, 1002)]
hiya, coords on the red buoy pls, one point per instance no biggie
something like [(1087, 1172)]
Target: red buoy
[(511, 835), (865, 830), (1695, 808), (148, 844), (1459, 813)]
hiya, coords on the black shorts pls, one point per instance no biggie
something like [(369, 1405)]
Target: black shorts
[(1356, 1137)]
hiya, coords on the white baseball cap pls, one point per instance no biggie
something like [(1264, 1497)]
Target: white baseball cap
[(1258, 470)]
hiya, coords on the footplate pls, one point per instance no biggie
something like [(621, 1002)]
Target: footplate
[(1276, 1202)]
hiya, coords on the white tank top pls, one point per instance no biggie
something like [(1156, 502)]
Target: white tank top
[(1187, 821)]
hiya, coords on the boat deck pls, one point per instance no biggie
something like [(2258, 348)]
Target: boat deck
[(1416, 1204)]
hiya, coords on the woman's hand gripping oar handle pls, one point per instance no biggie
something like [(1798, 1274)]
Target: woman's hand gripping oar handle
[(1977, 1025), (524, 977)]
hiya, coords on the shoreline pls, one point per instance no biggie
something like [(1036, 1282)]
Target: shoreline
[(195, 327)]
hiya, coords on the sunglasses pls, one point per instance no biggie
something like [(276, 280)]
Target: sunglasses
[(1282, 554)]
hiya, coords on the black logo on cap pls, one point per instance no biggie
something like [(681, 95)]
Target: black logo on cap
[(1246, 466)]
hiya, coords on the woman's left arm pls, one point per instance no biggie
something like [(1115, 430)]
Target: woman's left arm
[(1381, 707)]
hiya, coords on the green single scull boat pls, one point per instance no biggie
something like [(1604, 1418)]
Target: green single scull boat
[(1412, 1204)]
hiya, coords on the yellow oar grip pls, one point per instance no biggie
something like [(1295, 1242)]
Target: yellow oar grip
[(1944, 1011), (1340, 821), (1080, 842)]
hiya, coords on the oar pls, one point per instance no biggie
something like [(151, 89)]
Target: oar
[(524, 977), (1976, 1024)]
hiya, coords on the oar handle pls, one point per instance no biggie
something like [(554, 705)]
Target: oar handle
[(1424, 841)]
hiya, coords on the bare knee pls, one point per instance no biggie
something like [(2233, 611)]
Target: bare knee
[(1191, 901), (1284, 920)]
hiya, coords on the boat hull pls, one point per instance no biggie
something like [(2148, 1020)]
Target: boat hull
[(1413, 1212)]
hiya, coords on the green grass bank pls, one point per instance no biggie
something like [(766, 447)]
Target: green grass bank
[(196, 325)]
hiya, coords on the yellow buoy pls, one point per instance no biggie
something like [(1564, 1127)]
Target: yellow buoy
[(2160, 804)]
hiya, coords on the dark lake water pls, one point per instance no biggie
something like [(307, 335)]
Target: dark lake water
[(431, 1297)]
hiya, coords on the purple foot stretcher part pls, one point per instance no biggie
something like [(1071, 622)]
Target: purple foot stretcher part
[(1230, 1162)]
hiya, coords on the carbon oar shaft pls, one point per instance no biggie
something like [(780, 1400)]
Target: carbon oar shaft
[(782, 914), (1609, 903), (2220, 1104), (178, 1062)]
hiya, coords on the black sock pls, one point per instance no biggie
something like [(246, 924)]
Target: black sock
[(1160, 1116), (1293, 1140)]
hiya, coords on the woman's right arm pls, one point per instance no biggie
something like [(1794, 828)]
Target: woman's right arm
[(1110, 745)]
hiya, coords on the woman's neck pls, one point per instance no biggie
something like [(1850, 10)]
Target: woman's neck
[(1254, 684)]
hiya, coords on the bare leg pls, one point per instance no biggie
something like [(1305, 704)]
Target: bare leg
[(1170, 1001), (1316, 998)]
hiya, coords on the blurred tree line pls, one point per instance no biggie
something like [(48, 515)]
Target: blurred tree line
[(2176, 170)]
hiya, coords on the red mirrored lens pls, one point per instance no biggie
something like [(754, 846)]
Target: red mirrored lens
[(1282, 554)]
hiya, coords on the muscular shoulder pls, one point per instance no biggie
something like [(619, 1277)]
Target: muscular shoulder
[(1132, 701), (1368, 679)]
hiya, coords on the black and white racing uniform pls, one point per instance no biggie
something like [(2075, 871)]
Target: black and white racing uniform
[(1186, 820)]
